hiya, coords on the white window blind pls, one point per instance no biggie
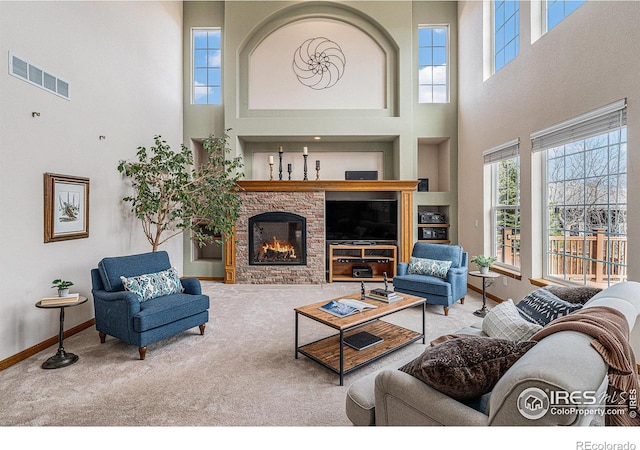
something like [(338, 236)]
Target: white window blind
[(601, 120), (500, 152)]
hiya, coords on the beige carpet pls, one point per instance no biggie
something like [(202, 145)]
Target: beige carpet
[(242, 372)]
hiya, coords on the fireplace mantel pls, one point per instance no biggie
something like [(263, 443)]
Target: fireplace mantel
[(329, 185), (404, 188)]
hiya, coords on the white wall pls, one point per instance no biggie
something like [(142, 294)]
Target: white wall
[(123, 61), (587, 61)]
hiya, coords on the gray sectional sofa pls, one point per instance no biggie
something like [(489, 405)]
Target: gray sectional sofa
[(561, 362)]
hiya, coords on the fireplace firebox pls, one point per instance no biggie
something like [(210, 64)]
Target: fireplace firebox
[(277, 238)]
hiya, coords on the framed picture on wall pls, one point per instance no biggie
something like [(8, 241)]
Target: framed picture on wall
[(66, 207)]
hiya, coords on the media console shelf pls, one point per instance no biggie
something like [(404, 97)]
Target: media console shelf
[(343, 258)]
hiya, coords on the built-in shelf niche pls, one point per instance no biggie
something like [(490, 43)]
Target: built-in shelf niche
[(434, 162)]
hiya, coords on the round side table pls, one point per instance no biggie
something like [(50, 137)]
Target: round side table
[(486, 281), (61, 358)]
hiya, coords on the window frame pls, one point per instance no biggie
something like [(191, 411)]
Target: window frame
[(492, 158), (588, 127), (194, 96), (447, 64), (545, 13), (494, 50)]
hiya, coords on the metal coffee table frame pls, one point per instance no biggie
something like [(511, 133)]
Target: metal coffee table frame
[(332, 353)]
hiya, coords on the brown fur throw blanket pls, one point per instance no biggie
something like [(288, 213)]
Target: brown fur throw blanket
[(610, 331)]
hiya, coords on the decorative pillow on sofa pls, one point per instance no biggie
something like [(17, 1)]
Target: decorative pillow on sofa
[(432, 267), (505, 322), (154, 285), (573, 294), (468, 367), (541, 307)]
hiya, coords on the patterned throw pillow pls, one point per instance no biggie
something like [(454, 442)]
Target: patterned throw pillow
[(573, 294), (504, 322), (468, 367), (154, 285), (432, 267), (541, 307)]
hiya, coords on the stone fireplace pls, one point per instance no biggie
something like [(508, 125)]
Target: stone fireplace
[(280, 238), (277, 238)]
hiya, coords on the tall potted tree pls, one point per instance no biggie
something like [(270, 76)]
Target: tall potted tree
[(171, 195)]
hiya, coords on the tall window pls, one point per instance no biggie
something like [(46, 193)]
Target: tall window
[(506, 32), (207, 66), (504, 164), (432, 64), (557, 10), (586, 197)]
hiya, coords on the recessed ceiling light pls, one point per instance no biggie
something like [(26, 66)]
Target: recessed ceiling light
[(317, 138)]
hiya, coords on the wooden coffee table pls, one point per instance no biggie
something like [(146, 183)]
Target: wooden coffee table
[(332, 353)]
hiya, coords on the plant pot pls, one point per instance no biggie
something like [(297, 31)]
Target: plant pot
[(484, 270), (63, 292)]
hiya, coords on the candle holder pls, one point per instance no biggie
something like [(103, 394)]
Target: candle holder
[(305, 167), (317, 169), (289, 170), (270, 171), (280, 163)]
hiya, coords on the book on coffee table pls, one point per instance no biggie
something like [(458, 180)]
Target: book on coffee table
[(389, 297), (345, 307), (362, 340)]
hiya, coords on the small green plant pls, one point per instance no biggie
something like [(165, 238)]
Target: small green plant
[(61, 284), (483, 261)]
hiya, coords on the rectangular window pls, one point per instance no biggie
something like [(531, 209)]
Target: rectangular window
[(585, 194), (207, 66), (504, 163), (433, 76), (506, 32), (557, 10)]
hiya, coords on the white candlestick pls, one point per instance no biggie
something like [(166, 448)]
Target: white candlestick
[(270, 159), (305, 150)]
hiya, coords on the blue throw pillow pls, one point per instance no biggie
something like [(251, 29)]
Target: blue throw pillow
[(541, 307), (432, 267), (154, 285)]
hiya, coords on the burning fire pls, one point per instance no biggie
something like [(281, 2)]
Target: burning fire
[(277, 250)]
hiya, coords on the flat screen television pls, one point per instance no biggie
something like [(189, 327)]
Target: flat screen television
[(362, 220)]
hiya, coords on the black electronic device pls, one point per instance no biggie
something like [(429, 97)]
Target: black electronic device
[(351, 221), (423, 185), (433, 233), (432, 217), (362, 272), (360, 174)]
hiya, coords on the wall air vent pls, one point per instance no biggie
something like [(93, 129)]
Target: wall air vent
[(20, 68)]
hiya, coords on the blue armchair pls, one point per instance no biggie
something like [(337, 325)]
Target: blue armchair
[(121, 314), (437, 291)]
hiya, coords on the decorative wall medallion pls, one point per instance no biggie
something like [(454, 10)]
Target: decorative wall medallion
[(319, 63)]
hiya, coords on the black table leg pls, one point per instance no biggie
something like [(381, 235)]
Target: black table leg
[(61, 358)]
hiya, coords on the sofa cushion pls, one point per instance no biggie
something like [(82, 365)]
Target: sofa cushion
[(153, 285), (541, 307), (573, 294), (440, 252), (504, 322), (423, 284), (431, 267), (112, 268), (468, 367), (167, 309)]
